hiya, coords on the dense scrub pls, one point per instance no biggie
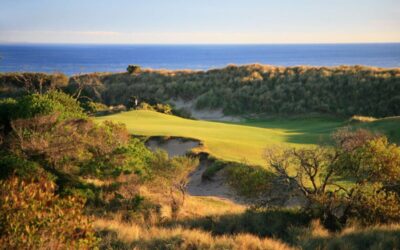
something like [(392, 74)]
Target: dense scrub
[(17, 84), (251, 89), (344, 90), (57, 165), (33, 217)]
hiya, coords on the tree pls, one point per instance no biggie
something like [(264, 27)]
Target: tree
[(368, 161)]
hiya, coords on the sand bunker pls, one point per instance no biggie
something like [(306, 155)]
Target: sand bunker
[(173, 146), (216, 187), (212, 115), (197, 186)]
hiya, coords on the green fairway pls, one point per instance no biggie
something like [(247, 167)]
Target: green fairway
[(237, 142), (245, 141)]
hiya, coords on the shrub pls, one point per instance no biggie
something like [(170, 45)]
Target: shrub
[(7, 107), (14, 165), (171, 176), (52, 102), (18, 84), (249, 181), (133, 69), (33, 217), (94, 107), (138, 159), (145, 106), (368, 161), (162, 108), (213, 169)]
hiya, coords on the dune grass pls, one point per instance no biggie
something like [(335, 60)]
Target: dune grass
[(124, 236), (246, 141)]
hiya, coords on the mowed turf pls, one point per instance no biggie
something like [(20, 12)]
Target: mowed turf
[(234, 142), (246, 141)]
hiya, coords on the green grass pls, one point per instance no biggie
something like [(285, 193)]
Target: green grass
[(390, 126), (245, 141), (234, 142)]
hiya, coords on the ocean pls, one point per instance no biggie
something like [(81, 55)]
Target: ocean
[(73, 59)]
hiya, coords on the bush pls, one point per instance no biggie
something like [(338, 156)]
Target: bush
[(369, 162), (94, 107), (211, 170), (7, 108), (19, 84), (161, 108), (14, 165), (33, 217), (249, 181), (52, 102), (133, 69), (138, 159)]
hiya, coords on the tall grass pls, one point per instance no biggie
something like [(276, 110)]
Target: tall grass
[(375, 237), (125, 236)]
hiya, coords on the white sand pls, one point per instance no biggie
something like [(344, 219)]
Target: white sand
[(212, 115)]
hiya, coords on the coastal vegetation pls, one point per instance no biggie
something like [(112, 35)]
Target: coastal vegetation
[(308, 159), (240, 90)]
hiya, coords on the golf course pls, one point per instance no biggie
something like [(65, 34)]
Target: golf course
[(244, 141)]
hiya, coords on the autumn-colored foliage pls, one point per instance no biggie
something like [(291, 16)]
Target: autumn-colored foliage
[(369, 162), (33, 217)]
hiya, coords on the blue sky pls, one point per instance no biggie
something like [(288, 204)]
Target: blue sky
[(206, 21)]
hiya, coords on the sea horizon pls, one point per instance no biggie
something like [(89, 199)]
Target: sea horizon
[(74, 58)]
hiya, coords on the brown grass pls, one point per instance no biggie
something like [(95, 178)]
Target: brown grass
[(194, 206), (353, 237), (138, 237)]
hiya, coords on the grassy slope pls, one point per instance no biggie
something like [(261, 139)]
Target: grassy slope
[(245, 141), (228, 141)]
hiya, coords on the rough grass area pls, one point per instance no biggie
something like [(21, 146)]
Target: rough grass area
[(246, 141), (375, 237), (121, 236)]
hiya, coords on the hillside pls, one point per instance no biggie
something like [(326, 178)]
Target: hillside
[(258, 89), (234, 90)]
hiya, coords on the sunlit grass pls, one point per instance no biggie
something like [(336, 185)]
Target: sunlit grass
[(233, 142), (138, 237), (244, 141)]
